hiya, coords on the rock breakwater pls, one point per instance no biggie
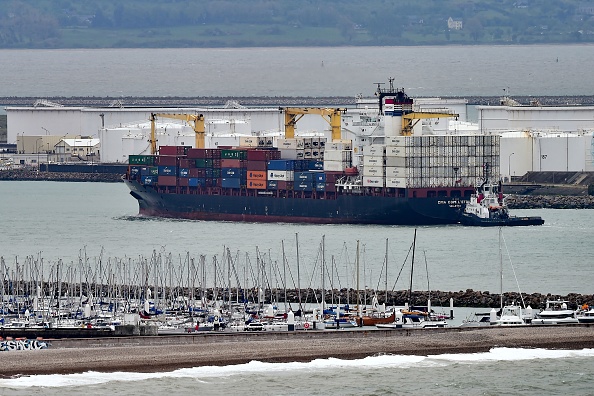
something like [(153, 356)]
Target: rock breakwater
[(550, 202)]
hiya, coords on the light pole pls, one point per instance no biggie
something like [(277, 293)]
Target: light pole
[(37, 149), (509, 165)]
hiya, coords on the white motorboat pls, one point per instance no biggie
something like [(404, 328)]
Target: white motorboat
[(555, 312), (511, 315), (585, 315)]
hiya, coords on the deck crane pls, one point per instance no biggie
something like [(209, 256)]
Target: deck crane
[(294, 114), (196, 119), (411, 119)]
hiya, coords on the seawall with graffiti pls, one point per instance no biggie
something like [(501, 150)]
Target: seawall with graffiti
[(22, 345)]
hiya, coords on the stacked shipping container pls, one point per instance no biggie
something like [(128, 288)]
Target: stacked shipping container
[(430, 161)]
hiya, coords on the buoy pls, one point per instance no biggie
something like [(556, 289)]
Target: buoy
[(306, 325)]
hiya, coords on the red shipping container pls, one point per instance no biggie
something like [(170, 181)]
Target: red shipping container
[(167, 180), (256, 155), (331, 177), (284, 185), (230, 163), (167, 160), (256, 165), (173, 150), (197, 172), (330, 187), (186, 163), (195, 153), (183, 181)]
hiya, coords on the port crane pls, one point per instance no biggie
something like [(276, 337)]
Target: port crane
[(196, 119), (411, 119), (294, 114)]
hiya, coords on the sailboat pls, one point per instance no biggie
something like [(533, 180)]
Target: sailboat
[(413, 318), (510, 315)]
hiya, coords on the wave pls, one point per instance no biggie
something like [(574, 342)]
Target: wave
[(255, 367)]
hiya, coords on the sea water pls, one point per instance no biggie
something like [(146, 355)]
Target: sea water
[(65, 221), (99, 221), (501, 371)]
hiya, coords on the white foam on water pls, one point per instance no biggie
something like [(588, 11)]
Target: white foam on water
[(254, 367), (510, 354)]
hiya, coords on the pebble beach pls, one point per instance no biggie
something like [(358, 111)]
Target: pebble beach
[(166, 353)]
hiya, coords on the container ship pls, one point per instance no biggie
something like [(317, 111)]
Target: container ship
[(399, 179)]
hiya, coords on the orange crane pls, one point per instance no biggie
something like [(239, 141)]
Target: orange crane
[(196, 119), (294, 114)]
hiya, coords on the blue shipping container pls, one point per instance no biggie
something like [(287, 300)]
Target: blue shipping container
[(231, 182), (281, 165), (148, 180), (304, 176), (272, 185), (230, 172), (166, 170), (320, 177), (316, 165), (134, 170), (184, 172), (300, 185), (197, 181), (320, 186)]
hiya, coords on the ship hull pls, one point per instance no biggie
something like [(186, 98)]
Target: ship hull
[(511, 221), (344, 209)]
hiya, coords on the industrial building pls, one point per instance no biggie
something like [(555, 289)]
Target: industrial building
[(533, 138)]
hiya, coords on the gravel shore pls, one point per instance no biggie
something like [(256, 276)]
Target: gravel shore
[(157, 354)]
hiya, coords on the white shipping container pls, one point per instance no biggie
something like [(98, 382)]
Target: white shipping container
[(373, 171), (280, 175), (373, 181), (376, 150), (248, 141), (338, 146), (295, 143), (291, 154), (400, 141), (373, 161), (397, 171), (307, 142), (397, 161), (337, 155), (396, 182), (335, 166), (395, 151)]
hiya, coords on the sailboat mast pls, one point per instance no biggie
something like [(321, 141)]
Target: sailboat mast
[(386, 275), (500, 272), (359, 308), (412, 266)]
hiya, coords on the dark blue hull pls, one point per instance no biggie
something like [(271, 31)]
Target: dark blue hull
[(338, 209)]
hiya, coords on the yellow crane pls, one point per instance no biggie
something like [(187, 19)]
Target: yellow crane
[(196, 119), (294, 114), (411, 119)]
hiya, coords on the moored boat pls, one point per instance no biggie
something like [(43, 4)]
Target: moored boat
[(555, 312)]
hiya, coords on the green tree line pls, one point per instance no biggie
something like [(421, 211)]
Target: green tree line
[(227, 23)]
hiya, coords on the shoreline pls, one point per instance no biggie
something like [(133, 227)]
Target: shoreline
[(167, 353)]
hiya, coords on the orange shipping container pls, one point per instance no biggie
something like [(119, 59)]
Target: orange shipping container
[(256, 184), (256, 175)]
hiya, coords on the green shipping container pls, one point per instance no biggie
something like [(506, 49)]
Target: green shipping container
[(204, 163), (141, 160), (234, 154)]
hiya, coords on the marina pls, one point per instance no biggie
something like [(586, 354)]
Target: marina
[(58, 221)]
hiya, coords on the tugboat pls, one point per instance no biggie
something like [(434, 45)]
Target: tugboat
[(487, 208)]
